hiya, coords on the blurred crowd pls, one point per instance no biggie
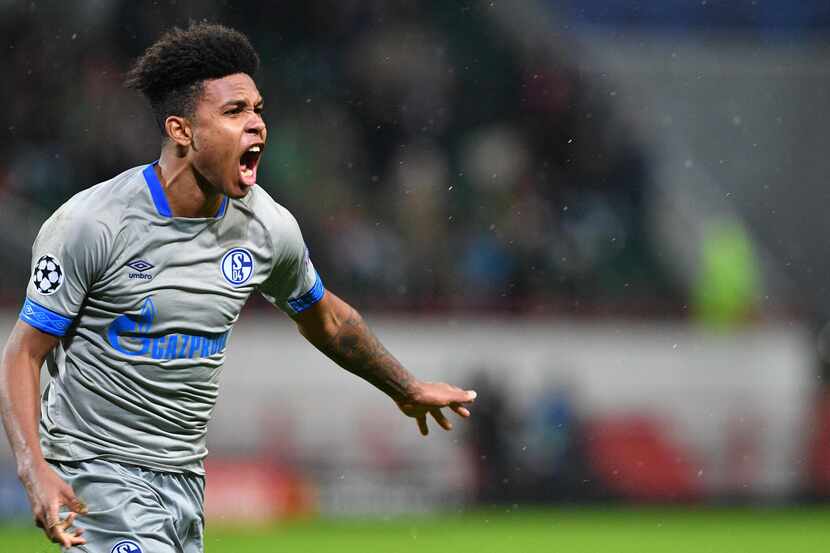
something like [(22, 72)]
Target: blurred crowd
[(433, 162)]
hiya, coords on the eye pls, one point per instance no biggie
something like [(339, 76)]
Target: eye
[(234, 110), (258, 109)]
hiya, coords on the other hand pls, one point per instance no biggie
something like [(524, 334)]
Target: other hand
[(429, 397), (47, 494)]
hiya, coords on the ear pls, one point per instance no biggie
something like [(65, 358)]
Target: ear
[(179, 130)]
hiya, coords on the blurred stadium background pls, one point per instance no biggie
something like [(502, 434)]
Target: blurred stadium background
[(609, 217)]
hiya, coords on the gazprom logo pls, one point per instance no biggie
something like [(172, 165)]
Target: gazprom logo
[(130, 335), (237, 266)]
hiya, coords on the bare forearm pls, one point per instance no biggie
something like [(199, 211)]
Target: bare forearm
[(20, 404), (339, 331), (351, 344)]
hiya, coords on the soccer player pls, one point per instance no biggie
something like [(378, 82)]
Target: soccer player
[(136, 284)]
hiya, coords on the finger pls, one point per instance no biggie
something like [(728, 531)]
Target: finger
[(55, 526), (460, 410), (64, 523), (76, 504), (63, 535), (441, 419), (68, 521), (68, 540), (52, 519), (77, 539), (40, 521), (73, 501), (452, 394), (422, 425)]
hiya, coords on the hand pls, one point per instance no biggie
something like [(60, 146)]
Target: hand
[(429, 398), (47, 493)]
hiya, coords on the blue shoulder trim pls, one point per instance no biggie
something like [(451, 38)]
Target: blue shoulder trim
[(157, 191), (309, 298), (44, 319)]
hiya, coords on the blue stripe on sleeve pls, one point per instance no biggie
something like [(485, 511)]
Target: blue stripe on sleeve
[(44, 319), (309, 298)]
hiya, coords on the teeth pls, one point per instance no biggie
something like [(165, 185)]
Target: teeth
[(247, 172), (254, 149)]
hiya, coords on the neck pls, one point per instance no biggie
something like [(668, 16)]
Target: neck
[(186, 194)]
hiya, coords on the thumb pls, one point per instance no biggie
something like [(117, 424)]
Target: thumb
[(71, 500)]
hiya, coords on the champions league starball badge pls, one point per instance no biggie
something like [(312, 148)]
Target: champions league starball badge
[(47, 275)]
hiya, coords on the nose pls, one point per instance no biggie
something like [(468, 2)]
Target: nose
[(256, 125)]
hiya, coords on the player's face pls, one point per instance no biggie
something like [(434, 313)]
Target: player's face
[(228, 134)]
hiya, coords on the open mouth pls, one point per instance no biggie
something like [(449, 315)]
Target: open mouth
[(248, 163)]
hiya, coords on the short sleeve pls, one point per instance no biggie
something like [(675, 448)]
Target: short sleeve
[(293, 284), (68, 256)]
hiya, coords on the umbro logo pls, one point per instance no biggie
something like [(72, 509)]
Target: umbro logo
[(141, 266)]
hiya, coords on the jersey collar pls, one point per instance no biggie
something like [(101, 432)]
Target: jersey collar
[(160, 200)]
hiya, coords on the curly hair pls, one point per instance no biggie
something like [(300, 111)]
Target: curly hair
[(171, 72)]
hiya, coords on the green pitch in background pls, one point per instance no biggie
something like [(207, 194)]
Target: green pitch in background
[(798, 530)]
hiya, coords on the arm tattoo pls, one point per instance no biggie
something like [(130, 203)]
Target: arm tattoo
[(355, 348)]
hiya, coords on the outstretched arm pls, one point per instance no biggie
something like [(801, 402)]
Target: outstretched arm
[(20, 409), (338, 330)]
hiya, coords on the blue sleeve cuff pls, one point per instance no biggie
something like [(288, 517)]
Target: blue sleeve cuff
[(309, 298), (44, 319)]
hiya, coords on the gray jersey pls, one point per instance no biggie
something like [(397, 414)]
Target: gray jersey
[(144, 304)]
